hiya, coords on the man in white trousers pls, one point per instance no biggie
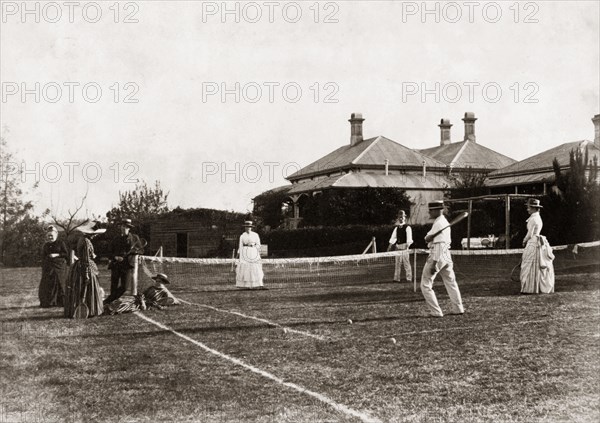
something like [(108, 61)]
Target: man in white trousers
[(439, 261)]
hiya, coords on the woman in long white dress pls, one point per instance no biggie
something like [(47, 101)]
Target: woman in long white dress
[(249, 272), (537, 271)]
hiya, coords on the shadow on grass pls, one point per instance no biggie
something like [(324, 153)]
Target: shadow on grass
[(361, 296), (273, 286), (234, 328), (26, 308), (45, 317)]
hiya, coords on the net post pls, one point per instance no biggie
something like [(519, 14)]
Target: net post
[(469, 225), (136, 274), (415, 271), (374, 242), (507, 221), (132, 285)]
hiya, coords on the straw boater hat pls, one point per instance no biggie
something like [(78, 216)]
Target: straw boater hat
[(436, 205), (161, 277), (90, 228), (127, 222), (248, 224), (535, 203), (401, 213)]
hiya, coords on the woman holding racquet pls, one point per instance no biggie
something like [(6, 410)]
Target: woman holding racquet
[(83, 297)]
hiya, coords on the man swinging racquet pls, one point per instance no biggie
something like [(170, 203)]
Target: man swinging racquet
[(440, 261)]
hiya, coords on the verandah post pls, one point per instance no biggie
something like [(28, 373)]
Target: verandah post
[(507, 221)]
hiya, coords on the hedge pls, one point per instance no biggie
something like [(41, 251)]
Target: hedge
[(333, 240)]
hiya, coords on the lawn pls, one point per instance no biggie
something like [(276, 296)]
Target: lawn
[(290, 354)]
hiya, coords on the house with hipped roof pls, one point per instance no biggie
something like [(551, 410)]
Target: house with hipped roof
[(427, 174), (379, 162), (535, 174), (467, 153)]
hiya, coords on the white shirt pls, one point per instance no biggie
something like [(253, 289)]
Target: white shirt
[(250, 239), (439, 246), (409, 239), (249, 248), (534, 226), (444, 237)]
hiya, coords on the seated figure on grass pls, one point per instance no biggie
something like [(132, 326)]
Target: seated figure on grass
[(158, 295), (155, 296)]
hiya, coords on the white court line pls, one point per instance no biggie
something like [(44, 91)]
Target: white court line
[(258, 319), (487, 327), (338, 407)]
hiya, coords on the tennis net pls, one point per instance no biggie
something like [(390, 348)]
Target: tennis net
[(471, 266)]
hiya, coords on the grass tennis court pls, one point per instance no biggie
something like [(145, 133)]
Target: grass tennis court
[(510, 358)]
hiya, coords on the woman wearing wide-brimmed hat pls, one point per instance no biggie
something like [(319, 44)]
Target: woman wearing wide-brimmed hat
[(54, 270), (537, 271), (249, 270), (83, 275)]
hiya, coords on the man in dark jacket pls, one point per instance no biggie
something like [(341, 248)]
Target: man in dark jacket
[(123, 249)]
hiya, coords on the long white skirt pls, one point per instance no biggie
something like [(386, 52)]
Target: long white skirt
[(249, 273), (534, 279)]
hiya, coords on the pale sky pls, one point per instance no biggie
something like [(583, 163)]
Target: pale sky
[(179, 53)]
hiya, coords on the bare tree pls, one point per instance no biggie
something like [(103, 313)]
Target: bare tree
[(72, 222)]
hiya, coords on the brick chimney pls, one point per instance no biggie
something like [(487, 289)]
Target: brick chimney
[(469, 121), (356, 120), (596, 120), (445, 126)]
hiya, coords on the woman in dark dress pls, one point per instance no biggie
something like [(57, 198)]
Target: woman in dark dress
[(54, 270), (84, 273)]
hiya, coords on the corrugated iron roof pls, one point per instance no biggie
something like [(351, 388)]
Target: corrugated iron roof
[(530, 178), (280, 189), (467, 153), (370, 180), (398, 155), (313, 185), (372, 151), (406, 181), (543, 161)]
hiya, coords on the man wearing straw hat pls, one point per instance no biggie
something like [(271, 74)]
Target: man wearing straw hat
[(401, 239), (122, 247), (439, 261)]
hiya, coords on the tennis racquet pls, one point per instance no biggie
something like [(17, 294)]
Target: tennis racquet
[(141, 244), (515, 275), (454, 221), (82, 311)]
